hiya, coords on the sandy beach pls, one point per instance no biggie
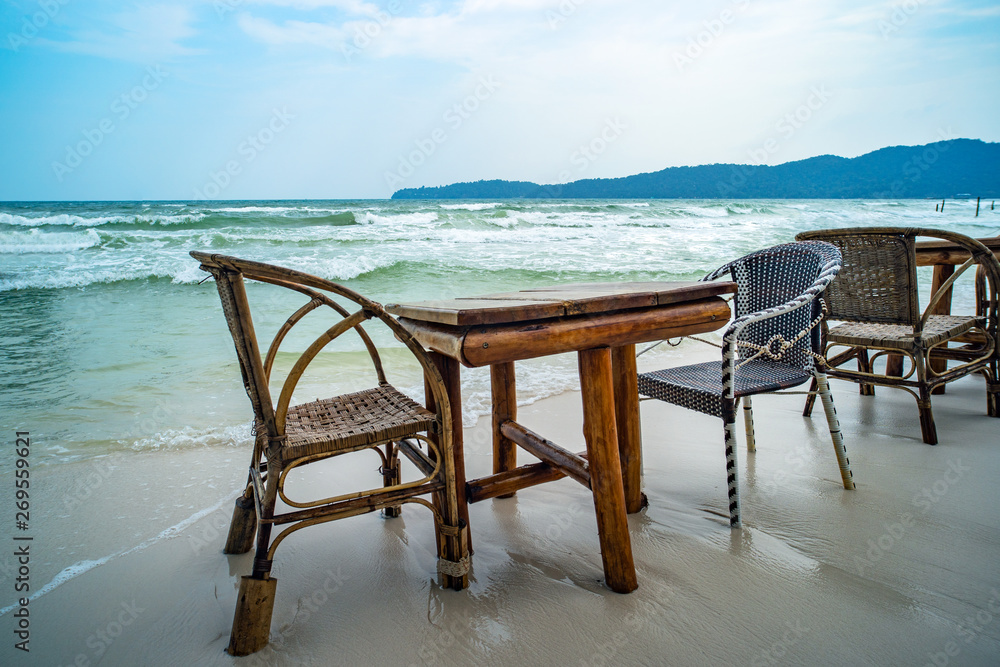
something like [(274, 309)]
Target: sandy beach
[(904, 570)]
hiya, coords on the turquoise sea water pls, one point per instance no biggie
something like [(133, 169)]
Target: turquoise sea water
[(110, 343)]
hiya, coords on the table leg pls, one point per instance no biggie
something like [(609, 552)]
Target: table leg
[(605, 468), (504, 408), (451, 373), (627, 421)]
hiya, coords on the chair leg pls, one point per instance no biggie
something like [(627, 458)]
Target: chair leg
[(243, 525), (807, 409), (732, 476), (865, 366), (452, 538), (391, 477), (252, 620), (834, 423), (927, 428), (748, 423), (993, 389)]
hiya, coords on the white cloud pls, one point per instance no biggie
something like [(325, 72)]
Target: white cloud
[(352, 7), (143, 34)]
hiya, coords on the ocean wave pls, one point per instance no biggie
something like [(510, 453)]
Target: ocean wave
[(191, 438), (480, 206), (34, 241), (72, 220), (418, 218)]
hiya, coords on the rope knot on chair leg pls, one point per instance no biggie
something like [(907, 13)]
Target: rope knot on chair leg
[(453, 568)]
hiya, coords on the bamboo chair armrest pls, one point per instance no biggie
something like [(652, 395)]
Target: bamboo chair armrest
[(988, 268)]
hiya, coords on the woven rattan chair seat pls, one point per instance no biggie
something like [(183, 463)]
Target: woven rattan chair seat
[(938, 329), (353, 421), (699, 386)]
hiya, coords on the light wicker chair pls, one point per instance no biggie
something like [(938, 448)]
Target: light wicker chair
[(772, 344), (875, 295), (288, 436)]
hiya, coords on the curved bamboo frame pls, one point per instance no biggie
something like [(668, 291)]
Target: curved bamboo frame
[(268, 468), (358, 494)]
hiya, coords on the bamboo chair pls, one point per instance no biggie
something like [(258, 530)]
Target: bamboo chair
[(875, 295), (772, 344), (288, 436)]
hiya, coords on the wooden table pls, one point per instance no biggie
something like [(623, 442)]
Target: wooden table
[(602, 323)]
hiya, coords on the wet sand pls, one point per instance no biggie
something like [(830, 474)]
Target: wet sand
[(903, 570)]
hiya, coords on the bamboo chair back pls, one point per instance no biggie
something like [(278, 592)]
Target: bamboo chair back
[(229, 273)]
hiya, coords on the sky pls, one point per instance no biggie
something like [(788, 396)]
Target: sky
[(351, 99)]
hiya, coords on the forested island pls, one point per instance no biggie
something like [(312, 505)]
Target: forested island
[(937, 170)]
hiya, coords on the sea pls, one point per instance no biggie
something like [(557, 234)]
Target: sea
[(113, 345), (113, 339)]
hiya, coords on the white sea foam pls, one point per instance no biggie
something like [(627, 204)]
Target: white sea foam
[(478, 206), (34, 241), (417, 218), (191, 438)]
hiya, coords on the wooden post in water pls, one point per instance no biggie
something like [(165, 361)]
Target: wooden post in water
[(977, 207), (942, 206), (936, 207)]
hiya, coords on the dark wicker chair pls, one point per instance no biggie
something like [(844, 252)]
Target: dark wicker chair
[(875, 295), (287, 436), (770, 345)]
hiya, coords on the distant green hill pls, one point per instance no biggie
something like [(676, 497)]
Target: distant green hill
[(938, 170)]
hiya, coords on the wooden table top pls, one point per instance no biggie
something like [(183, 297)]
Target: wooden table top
[(930, 253), (563, 300)]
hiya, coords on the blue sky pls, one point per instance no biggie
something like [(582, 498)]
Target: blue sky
[(262, 99)]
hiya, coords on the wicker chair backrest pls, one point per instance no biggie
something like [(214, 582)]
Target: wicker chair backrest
[(774, 276), (878, 278)]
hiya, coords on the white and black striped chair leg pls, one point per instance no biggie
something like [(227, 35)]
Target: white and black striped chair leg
[(732, 474), (823, 389)]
